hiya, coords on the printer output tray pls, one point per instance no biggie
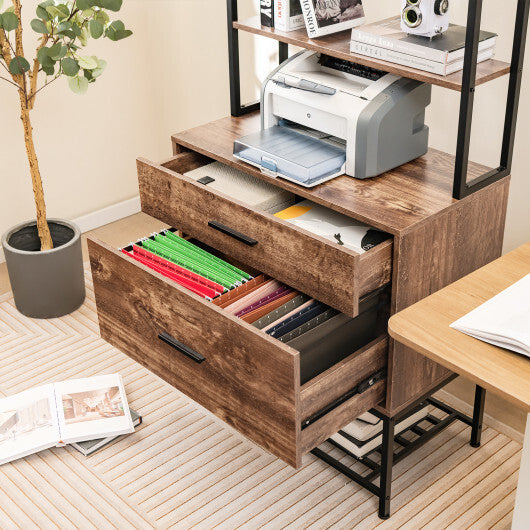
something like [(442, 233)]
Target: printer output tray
[(283, 152)]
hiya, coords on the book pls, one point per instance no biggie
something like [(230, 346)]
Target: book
[(57, 414), (445, 48), (419, 63), (360, 448), (89, 447), (288, 15), (323, 17), (503, 320), (266, 13), (332, 225)]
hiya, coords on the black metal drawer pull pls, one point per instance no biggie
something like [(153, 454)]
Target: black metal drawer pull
[(182, 348), (233, 233)]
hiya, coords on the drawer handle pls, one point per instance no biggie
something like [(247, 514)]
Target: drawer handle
[(233, 233), (182, 348)]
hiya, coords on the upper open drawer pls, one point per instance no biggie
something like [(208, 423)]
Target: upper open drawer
[(312, 264)]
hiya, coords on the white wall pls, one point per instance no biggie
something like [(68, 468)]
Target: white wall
[(173, 74)]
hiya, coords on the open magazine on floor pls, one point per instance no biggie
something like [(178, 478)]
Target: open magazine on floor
[(62, 413), (504, 320)]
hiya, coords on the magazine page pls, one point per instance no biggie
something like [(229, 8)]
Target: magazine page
[(28, 423), (95, 407), (502, 319)]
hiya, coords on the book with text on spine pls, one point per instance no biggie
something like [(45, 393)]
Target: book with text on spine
[(445, 48), (323, 17), (267, 13), (412, 61), (288, 15)]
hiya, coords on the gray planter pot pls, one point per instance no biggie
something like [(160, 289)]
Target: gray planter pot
[(45, 284)]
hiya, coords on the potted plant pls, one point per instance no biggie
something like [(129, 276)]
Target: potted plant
[(43, 256)]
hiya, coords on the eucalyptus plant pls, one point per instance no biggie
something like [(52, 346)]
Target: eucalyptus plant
[(64, 30)]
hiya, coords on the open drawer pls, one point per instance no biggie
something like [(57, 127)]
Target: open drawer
[(244, 376), (312, 264)]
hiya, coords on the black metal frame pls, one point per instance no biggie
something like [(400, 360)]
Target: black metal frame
[(461, 187), (389, 457), (236, 107)]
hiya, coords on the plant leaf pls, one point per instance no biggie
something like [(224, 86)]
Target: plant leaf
[(70, 66), (111, 5), (96, 29), (38, 26), (19, 65), (41, 10), (88, 63), (57, 51), (78, 84), (102, 64), (48, 70), (9, 21), (43, 55)]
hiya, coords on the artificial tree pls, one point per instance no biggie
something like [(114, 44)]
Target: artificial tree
[(64, 30)]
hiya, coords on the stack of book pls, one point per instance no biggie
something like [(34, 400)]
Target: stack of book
[(442, 55), (320, 17)]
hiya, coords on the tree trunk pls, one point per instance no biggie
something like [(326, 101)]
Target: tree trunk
[(38, 192)]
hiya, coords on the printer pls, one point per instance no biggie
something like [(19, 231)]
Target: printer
[(322, 117)]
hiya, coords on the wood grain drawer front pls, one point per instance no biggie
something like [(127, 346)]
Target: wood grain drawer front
[(248, 379), (316, 266)]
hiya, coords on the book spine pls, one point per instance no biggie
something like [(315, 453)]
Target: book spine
[(399, 46), (398, 58), (280, 14), (311, 23), (267, 13)]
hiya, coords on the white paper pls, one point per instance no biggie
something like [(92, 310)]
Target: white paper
[(504, 320), (92, 408), (28, 423)]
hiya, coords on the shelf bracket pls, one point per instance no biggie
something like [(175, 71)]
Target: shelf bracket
[(236, 108), (461, 187)]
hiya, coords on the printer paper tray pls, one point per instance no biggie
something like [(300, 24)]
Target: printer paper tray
[(282, 152)]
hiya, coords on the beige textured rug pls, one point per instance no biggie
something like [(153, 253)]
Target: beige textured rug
[(184, 468)]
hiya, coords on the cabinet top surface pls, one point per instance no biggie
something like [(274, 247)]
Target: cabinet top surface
[(394, 202), (424, 327), (338, 45)]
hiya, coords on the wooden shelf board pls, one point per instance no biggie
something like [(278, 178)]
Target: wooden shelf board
[(394, 202), (338, 45)]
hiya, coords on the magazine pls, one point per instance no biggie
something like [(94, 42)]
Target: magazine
[(60, 413), (323, 17)]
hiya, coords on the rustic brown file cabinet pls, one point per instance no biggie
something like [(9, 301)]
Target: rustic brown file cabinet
[(441, 228)]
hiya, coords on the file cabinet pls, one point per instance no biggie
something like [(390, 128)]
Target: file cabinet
[(248, 379)]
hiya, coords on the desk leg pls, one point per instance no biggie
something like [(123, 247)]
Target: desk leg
[(521, 514), (478, 416), (387, 460)]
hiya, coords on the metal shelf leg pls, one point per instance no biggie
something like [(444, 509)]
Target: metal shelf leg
[(387, 460), (478, 416)]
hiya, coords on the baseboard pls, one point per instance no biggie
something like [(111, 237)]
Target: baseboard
[(102, 217), (466, 408)]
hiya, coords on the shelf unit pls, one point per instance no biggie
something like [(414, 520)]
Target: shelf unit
[(466, 81), (399, 201), (252, 381)]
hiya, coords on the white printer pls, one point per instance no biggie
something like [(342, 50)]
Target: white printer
[(322, 117)]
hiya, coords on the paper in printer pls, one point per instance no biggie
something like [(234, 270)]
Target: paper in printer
[(332, 225), (245, 188)]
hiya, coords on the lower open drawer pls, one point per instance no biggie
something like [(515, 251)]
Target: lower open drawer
[(244, 376)]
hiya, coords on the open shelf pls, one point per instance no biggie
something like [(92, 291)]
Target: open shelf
[(338, 45), (393, 202)]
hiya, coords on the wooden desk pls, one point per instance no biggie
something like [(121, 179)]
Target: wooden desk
[(424, 327)]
